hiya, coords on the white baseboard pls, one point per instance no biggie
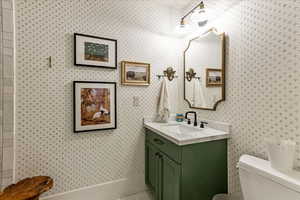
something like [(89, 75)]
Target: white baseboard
[(106, 191)]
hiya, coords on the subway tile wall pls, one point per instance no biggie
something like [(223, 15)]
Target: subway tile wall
[(7, 92)]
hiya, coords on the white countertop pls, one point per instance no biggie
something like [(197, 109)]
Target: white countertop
[(182, 134)]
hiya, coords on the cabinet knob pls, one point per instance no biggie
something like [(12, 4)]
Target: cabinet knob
[(158, 141), (158, 154)]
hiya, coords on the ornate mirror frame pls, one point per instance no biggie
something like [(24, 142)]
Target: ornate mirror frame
[(223, 43)]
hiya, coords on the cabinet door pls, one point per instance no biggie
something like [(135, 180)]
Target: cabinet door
[(151, 165), (170, 179), (162, 174)]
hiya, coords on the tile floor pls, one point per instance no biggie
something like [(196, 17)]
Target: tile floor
[(147, 195)]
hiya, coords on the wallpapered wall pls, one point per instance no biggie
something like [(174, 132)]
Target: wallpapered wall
[(262, 75), (45, 143), (262, 84), (6, 91)]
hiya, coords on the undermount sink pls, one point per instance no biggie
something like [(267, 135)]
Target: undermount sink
[(181, 129), (182, 134)]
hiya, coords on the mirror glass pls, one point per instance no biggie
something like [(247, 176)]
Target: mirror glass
[(204, 70)]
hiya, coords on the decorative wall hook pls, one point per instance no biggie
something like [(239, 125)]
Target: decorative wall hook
[(170, 73), (190, 74), (162, 76), (50, 61)]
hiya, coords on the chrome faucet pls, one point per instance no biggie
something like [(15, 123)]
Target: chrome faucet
[(195, 117)]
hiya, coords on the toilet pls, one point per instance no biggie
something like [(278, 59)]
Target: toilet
[(259, 181)]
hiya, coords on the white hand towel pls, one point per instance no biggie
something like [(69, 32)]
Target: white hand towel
[(163, 107)]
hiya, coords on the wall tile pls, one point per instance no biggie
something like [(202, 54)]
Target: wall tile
[(7, 21), (8, 66), (8, 157), (8, 43), (8, 142), (8, 51), (7, 173), (1, 77), (7, 4), (8, 134), (8, 36), (6, 181), (6, 94)]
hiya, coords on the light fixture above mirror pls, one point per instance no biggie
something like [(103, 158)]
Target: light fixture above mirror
[(197, 15), (183, 27)]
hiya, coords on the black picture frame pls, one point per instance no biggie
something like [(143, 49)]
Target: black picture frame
[(100, 38), (74, 105)]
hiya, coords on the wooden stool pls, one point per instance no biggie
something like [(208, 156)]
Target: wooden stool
[(27, 189)]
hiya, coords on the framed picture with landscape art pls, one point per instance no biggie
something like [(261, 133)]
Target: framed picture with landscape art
[(214, 77), (94, 106), (135, 73), (93, 51)]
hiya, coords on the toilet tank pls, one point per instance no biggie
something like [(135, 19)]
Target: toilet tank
[(260, 181)]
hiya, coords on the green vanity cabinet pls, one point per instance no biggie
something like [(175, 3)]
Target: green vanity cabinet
[(163, 174), (188, 172)]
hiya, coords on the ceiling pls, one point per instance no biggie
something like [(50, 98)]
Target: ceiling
[(178, 4)]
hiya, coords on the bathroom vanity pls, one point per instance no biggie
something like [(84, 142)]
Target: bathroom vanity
[(184, 162)]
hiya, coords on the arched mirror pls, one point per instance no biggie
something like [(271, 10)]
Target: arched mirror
[(204, 71)]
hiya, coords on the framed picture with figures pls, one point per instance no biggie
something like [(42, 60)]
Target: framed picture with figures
[(94, 106)]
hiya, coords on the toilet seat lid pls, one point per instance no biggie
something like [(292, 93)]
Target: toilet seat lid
[(262, 167)]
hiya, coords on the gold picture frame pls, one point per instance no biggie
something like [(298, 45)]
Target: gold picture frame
[(135, 73), (214, 77)]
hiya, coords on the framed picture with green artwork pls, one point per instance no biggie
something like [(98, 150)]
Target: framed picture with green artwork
[(93, 51)]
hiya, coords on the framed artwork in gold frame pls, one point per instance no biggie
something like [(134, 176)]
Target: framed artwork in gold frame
[(135, 73), (214, 77)]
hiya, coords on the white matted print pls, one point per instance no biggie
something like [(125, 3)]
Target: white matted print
[(93, 51), (94, 106)]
